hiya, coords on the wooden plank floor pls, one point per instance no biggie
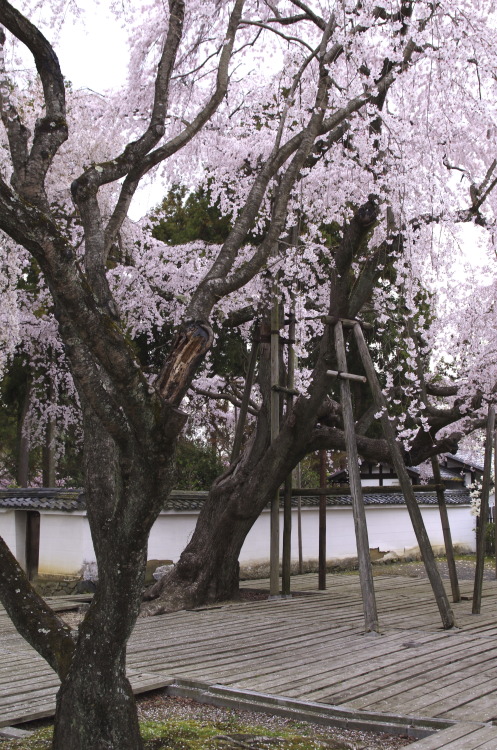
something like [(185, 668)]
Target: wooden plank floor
[(310, 648)]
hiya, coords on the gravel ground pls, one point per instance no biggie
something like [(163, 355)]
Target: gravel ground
[(158, 706), (465, 569)]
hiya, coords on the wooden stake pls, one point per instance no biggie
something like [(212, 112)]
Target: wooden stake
[(480, 537), (298, 482), (322, 524), (347, 376), (495, 501), (440, 488), (287, 498), (444, 519), (359, 513), (274, 552), (406, 486)]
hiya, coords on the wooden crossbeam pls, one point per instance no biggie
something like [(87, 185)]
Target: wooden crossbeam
[(346, 376)]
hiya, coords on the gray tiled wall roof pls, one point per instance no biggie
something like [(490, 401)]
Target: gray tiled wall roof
[(70, 500)]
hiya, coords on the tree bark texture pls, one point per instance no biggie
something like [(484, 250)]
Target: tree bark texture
[(95, 704)]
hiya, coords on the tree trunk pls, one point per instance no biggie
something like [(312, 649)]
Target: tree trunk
[(126, 489), (208, 569), (95, 704)]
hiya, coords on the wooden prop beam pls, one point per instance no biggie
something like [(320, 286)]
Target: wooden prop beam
[(295, 491), (346, 323), (495, 500), (322, 524), (485, 490), (274, 549), (444, 519), (287, 498), (440, 487), (426, 550), (346, 376), (359, 513)]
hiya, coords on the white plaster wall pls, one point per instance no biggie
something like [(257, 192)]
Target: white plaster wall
[(170, 534), (65, 540), (389, 529), (21, 517), (88, 550), (8, 529), (62, 538)]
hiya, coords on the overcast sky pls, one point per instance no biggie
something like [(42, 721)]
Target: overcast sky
[(94, 56)]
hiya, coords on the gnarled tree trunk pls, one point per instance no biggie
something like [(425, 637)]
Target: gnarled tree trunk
[(95, 703)]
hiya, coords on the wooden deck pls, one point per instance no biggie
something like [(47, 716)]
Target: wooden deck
[(310, 650)]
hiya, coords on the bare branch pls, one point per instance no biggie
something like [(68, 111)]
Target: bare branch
[(287, 38), (223, 396), (143, 164), (50, 130), (320, 23)]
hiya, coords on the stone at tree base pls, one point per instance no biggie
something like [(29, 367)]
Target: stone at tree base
[(161, 571), (152, 566)]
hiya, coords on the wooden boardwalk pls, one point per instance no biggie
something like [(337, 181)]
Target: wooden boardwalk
[(309, 649)]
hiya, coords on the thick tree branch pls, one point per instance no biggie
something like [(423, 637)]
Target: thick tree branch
[(33, 618), (74, 301)]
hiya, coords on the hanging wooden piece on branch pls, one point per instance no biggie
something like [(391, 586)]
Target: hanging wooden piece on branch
[(406, 486), (482, 525), (359, 513)]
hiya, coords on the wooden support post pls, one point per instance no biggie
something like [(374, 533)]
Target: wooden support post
[(359, 513), (322, 524), (287, 498), (240, 425), (485, 490), (274, 552), (347, 376), (346, 323), (495, 500), (440, 488), (406, 486), (298, 482), (444, 519)]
